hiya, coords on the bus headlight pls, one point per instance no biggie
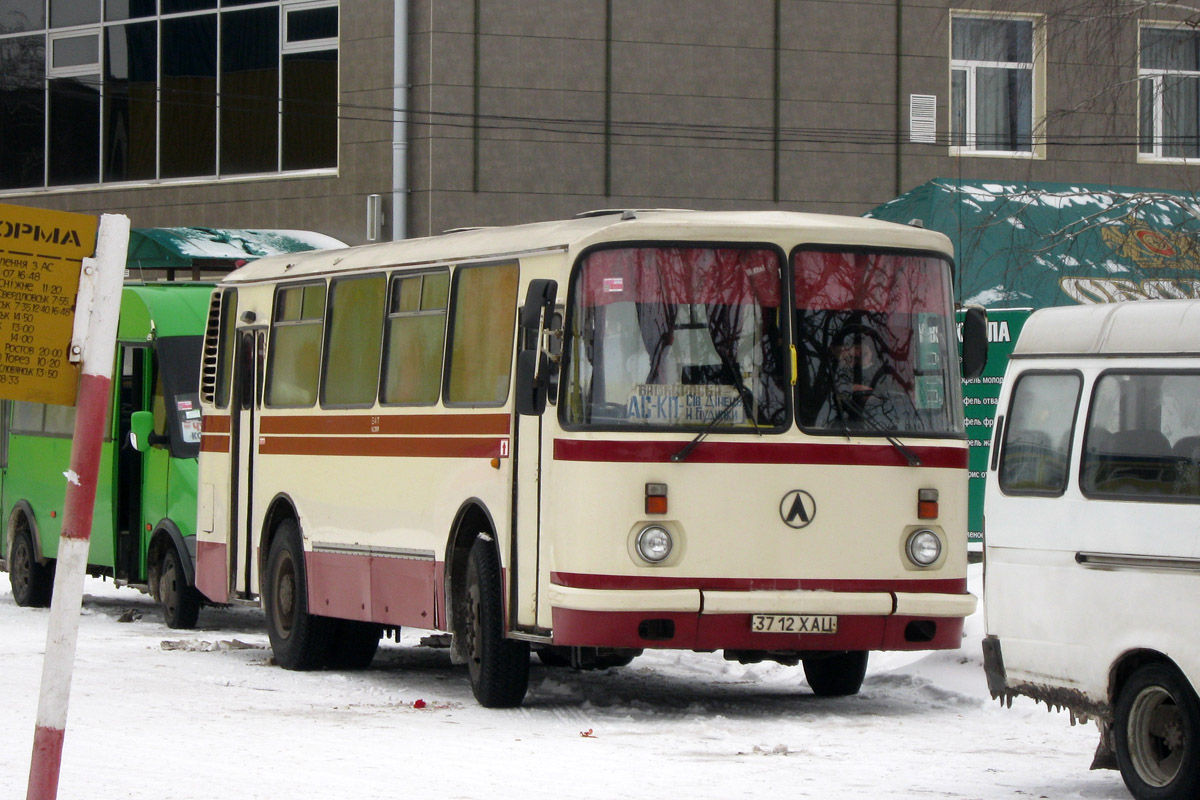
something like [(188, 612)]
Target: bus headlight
[(923, 547), (654, 543)]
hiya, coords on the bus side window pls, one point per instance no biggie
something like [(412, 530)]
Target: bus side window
[(296, 333), (416, 334), (1037, 441), (482, 330), (351, 373)]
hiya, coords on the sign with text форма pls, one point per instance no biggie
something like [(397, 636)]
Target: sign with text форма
[(41, 253)]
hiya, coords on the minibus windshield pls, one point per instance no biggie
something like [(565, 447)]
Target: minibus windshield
[(874, 342), (677, 337)]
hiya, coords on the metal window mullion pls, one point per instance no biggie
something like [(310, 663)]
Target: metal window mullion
[(217, 99), (158, 98), (280, 40), (969, 122)]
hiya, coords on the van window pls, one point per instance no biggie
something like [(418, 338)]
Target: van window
[(1037, 441), (1143, 437)]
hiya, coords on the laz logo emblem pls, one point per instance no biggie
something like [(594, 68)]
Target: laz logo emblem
[(797, 509)]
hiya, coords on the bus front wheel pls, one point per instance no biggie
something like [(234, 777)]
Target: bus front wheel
[(32, 583), (836, 674), (498, 666), (1156, 732), (180, 602), (299, 640)]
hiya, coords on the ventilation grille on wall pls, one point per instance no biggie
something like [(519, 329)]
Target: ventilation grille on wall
[(922, 118), (208, 368)]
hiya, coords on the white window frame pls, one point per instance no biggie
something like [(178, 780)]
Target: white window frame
[(1157, 76), (1037, 68)]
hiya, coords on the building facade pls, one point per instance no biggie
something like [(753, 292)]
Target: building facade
[(380, 119)]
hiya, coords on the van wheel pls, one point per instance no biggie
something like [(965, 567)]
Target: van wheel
[(499, 667), (299, 640), (1157, 731), (180, 602), (32, 583), (836, 674), (354, 644)]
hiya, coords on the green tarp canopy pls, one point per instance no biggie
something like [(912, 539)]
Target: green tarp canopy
[(1049, 244), (214, 249)]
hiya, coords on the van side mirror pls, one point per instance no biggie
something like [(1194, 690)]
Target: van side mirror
[(533, 363), (974, 341), (141, 432)]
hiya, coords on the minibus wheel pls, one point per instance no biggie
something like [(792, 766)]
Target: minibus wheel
[(498, 666), (32, 583), (1157, 731), (299, 640), (835, 674), (180, 602)]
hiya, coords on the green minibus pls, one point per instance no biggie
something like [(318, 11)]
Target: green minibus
[(143, 531)]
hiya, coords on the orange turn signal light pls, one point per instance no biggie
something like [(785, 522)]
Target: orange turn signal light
[(656, 498), (927, 504)]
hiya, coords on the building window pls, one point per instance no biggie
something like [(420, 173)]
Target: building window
[(1169, 93), (993, 84), (110, 91)]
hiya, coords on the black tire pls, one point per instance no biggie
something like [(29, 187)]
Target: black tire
[(498, 666), (32, 583), (836, 674), (1156, 734), (299, 640), (180, 601), (354, 644)]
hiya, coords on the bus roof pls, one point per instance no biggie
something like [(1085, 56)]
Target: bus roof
[(573, 235), (1140, 327), (173, 309)]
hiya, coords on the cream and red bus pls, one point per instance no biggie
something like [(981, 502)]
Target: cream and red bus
[(736, 431)]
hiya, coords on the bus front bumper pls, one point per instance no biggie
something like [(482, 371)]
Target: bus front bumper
[(698, 619)]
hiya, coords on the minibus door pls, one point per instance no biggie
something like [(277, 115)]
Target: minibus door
[(134, 393), (243, 438)]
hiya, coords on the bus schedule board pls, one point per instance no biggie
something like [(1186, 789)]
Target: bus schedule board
[(979, 398), (41, 253)]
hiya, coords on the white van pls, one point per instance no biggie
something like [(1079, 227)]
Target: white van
[(1092, 533)]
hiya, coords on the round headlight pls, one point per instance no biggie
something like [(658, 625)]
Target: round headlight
[(654, 544), (924, 547)]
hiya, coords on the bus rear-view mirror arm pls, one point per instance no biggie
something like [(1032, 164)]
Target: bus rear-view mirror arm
[(533, 361)]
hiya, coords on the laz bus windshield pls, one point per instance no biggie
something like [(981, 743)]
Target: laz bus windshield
[(676, 337), (875, 350)]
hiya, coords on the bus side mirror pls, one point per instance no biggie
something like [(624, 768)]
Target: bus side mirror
[(974, 341), (141, 432), (533, 363), (141, 428)]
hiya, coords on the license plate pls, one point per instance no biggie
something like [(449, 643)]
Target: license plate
[(793, 623)]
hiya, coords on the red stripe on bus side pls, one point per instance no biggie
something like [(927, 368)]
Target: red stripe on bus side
[(579, 580), (334, 424), (214, 443), (211, 423), (412, 447), (759, 453)]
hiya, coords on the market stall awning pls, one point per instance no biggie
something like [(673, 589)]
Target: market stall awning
[(214, 249), (1048, 244)]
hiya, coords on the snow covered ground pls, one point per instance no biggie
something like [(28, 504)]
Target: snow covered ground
[(157, 713)]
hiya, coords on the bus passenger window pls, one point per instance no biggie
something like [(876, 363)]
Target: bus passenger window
[(481, 338), (416, 332), (1037, 442), (351, 371), (296, 345)]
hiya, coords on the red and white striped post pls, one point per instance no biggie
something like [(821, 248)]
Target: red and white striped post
[(100, 300)]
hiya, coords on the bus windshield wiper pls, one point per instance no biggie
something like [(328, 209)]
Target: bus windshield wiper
[(912, 458), (690, 446)]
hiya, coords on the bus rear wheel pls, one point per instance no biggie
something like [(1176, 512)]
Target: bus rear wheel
[(180, 602), (836, 674), (32, 583), (299, 640), (498, 666), (1156, 732)]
